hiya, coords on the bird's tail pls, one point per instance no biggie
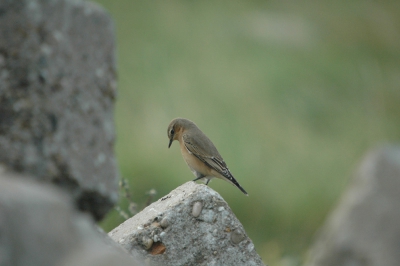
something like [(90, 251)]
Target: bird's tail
[(232, 180)]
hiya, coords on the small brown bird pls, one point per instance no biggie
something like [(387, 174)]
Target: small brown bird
[(199, 152)]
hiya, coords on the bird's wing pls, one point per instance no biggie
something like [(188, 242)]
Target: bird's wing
[(211, 157), (213, 160)]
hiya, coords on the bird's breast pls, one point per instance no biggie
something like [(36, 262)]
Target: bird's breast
[(194, 163)]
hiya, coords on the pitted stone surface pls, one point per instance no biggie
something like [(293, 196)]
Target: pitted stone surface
[(203, 239), (57, 90)]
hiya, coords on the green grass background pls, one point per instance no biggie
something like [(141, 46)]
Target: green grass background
[(293, 94)]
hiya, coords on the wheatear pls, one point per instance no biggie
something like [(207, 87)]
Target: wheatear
[(199, 152)]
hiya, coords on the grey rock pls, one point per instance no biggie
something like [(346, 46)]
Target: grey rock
[(40, 227), (57, 91), (192, 225), (364, 227)]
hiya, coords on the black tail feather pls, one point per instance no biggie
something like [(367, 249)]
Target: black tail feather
[(234, 182)]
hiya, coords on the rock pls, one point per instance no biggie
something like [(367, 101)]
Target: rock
[(57, 91), (39, 226), (192, 225), (364, 227)]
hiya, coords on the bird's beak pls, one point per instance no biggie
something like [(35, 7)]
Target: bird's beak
[(170, 142)]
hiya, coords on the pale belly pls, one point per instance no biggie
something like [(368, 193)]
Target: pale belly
[(197, 167)]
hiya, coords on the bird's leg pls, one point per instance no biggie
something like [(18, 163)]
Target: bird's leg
[(198, 176), (208, 180)]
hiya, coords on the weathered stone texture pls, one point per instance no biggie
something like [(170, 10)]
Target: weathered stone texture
[(364, 228), (192, 225), (57, 90), (40, 227)]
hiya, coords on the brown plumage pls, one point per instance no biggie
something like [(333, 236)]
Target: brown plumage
[(199, 152)]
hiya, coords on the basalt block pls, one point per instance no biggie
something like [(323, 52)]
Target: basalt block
[(364, 227), (57, 92)]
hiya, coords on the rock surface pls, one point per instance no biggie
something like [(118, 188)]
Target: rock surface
[(57, 90), (192, 225), (40, 227), (364, 228)]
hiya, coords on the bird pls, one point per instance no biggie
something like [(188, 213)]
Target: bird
[(199, 152)]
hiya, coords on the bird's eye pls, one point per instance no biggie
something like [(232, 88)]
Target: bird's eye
[(172, 132)]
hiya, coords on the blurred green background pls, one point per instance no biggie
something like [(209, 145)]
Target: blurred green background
[(293, 94)]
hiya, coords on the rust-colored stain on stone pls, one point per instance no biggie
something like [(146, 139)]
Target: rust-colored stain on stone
[(157, 248), (155, 224)]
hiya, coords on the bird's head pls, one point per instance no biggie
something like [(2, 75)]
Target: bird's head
[(176, 128)]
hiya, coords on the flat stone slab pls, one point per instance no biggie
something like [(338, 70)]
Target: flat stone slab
[(192, 225)]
